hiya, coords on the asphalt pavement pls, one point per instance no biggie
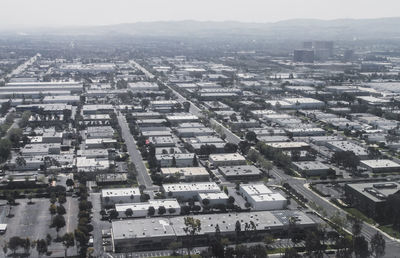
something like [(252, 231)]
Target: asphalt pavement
[(142, 176)]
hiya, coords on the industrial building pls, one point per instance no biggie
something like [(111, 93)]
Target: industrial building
[(380, 165), (158, 233), (120, 195), (244, 172), (261, 197)]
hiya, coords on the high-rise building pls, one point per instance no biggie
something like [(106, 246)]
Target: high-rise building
[(303, 55)]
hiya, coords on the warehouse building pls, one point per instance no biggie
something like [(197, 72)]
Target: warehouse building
[(158, 233), (120, 195), (186, 191), (380, 165), (311, 168), (261, 197), (188, 174), (141, 209), (227, 159), (244, 172)]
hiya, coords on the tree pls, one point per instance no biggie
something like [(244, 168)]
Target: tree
[(144, 103), (174, 246), (266, 165), (26, 244), (48, 239), (238, 229), (5, 149), (58, 222), (70, 182), (244, 147), (24, 119), (15, 136), (142, 188), (268, 241), (356, 226), (41, 246), (62, 199), (20, 161), (346, 158), (195, 163), (114, 214), (53, 209), (14, 243), (230, 147), (81, 237), (251, 136), (360, 246), (68, 240), (206, 202), (312, 242), (258, 251), (173, 163), (161, 210), (61, 210), (151, 211), (373, 153), (192, 228), (129, 212), (291, 253), (378, 245)]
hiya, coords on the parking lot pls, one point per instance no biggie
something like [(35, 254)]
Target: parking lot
[(33, 220)]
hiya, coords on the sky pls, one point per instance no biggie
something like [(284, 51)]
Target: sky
[(59, 13)]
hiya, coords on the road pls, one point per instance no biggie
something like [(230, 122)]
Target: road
[(142, 176), (230, 137), (23, 66)]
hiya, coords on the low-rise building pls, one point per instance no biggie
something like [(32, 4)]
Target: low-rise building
[(261, 197), (359, 151), (227, 159), (100, 143), (180, 160), (193, 132), (120, 195), (213, 199), (85, 164), (289, 145), (158, 233), (380, 165), (186, 191), (41, 149), (141, 209), (245, 172), (187, 174), (311, 168), (162, 141)]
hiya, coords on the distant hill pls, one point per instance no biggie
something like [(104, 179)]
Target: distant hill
[(346, 29)]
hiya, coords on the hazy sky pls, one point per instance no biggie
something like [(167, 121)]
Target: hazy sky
[(100, 12)]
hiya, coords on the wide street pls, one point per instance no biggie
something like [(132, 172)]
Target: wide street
[(142, 176)]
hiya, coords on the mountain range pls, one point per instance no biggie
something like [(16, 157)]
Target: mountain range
[(342, 29)]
